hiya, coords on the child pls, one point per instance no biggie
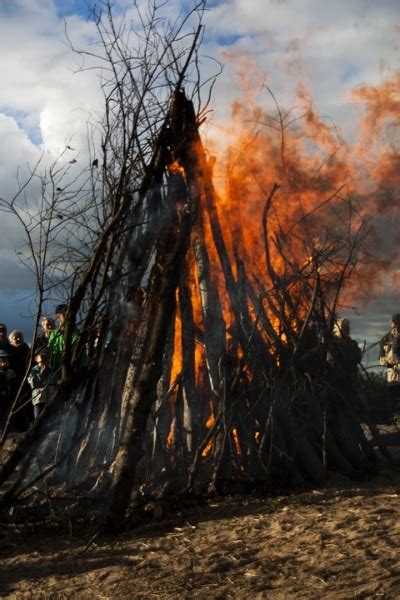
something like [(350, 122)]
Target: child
[(40, 379), (7, 376)]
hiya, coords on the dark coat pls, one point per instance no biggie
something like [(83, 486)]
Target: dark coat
[(344, 356), (19, 362), (41, 343), (7, 377)]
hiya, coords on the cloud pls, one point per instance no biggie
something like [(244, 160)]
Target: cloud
[(332, 47), (45, 100), (16, 151), (39, 79)]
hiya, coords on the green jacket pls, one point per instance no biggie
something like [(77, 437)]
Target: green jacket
[(56, 346)]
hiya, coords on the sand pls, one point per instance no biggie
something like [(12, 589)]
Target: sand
[(341, 542)]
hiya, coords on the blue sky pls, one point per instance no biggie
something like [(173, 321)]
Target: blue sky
[(44, 102), (66, 8)]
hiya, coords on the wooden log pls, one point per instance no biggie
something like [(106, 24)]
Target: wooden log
[(274, 454), (190, 400), (161, 412), (140, 393)]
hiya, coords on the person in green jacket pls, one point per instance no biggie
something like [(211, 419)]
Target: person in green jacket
[(56, 341)]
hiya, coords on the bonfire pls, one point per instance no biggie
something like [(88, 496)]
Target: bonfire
[(213, 307)]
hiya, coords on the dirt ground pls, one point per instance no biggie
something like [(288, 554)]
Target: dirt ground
[(339, 542)]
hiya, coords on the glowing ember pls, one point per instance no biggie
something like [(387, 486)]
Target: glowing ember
[(236, 441)]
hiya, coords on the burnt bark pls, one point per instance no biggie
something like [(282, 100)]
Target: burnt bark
[(190, 404), (140, 393)]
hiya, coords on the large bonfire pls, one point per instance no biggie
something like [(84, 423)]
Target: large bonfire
[(211, 371)]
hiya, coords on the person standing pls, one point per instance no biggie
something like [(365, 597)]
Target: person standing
[(20, 353), (344, 354), (7, 377), (389, 357), (4, 342), (47, 324), (20, 364), (56, 340), (40, 379)]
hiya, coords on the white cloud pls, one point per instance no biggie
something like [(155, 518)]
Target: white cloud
[(16, 152), (331, 46), (38, 67)]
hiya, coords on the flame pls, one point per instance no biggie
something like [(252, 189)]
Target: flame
[(177, 359), (236, 441), (329, 193), (211, 419), (324, 183), (170, 438), (208, 425), (207, 449)]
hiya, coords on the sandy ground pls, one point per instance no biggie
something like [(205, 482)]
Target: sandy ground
[(338, 542)]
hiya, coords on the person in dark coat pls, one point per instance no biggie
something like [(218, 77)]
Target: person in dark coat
[(346, 406), (7, 377), (41, 378), (4, 342), (344, 357), (344, 354), (20, 353), (20, 364), (47, 324)]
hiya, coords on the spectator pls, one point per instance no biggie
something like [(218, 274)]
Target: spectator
[(56, 341), (344, 354), (20, 364), (343, 358), (4, 343), (7, 376), (389, 357), (41, 379), (20, 353), (47, 324)]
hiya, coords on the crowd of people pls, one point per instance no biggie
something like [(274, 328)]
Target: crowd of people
[(28, 374), (344, 358)]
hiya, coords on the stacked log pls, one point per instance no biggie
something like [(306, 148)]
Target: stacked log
[(252, 400)]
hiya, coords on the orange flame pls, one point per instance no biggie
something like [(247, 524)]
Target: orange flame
[(209, 424), (236, 441), (328, 189)]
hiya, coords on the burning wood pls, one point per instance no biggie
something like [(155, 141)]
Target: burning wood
[(219, 372)]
